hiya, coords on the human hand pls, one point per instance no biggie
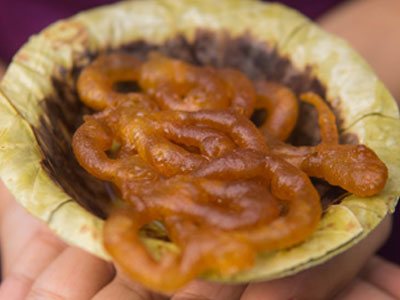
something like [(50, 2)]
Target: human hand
[(38, 265)]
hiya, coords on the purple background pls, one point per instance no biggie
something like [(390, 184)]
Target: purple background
[(21, 18)]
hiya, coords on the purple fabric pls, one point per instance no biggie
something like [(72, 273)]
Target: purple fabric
[(21, 18), (311, 8)]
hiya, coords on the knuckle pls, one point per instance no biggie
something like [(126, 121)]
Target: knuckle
[(39, 293), (46, 237), (20, 278)]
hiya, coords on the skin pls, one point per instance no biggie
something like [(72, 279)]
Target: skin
[(372, 27), (32, 256)]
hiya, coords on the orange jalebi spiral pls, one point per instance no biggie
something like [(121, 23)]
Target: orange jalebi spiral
[(96, 82), (281, 106), (356, 168), (175, 197), (190, 157), (176, 85)]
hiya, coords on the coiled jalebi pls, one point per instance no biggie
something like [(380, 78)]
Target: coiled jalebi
[(190, 157), (281, 106), (199, 252), (96, 83), (179, 86), (356, 168)]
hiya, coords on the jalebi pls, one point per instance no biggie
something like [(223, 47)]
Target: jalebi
[(189, 156)]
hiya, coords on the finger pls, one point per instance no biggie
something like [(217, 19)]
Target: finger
[(201, 290), (124, 288), (18, 228), (75, 274), (383, 274), (361, 289), (323, 281), (39, 252)]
